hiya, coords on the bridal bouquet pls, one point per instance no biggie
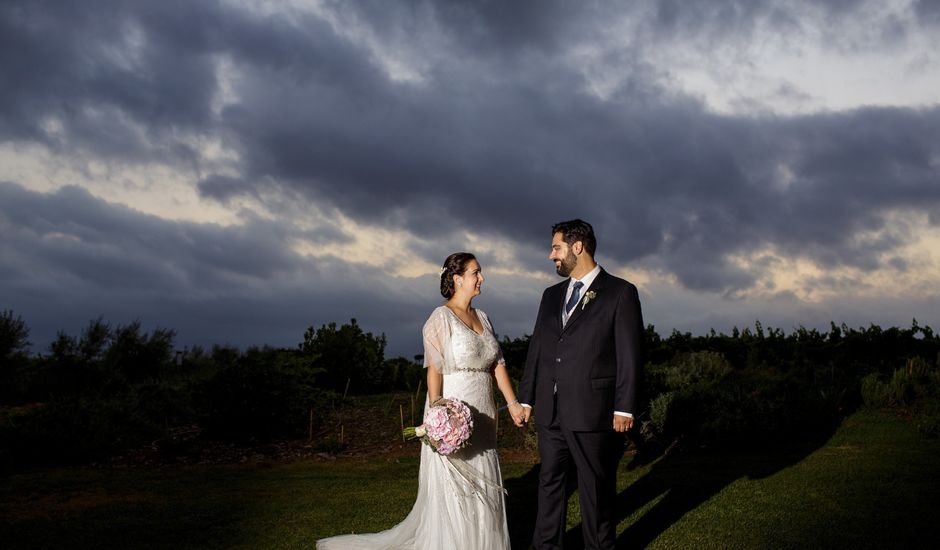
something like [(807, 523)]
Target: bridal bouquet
[(447, 426)]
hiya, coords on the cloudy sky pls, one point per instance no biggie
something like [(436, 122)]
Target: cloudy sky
[(240, 170)]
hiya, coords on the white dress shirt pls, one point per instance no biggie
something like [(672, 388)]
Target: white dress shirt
[(586, 281)]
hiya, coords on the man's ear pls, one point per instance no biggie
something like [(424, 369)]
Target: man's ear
[(577, 247)]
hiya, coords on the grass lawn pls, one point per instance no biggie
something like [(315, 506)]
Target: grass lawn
[(874, 484)]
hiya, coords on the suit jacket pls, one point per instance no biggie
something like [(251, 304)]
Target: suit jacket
[(594, 361)]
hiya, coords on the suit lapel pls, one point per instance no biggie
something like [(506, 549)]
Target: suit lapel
[(597, 286), (560, 302)]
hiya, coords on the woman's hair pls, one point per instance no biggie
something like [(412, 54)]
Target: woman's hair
[(455, 264)]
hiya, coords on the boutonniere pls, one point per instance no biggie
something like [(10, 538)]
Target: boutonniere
[(588, 296)]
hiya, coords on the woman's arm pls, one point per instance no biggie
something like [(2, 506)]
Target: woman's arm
[(505, 386), (435, 384)]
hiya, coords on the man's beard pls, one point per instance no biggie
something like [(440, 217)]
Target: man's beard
[(567, 264)]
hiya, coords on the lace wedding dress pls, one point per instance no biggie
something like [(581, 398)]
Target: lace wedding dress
[(460, 503)]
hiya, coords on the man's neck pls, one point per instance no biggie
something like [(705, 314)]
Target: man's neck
[(583, 268)]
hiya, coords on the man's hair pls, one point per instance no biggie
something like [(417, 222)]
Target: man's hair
[(577, 230)]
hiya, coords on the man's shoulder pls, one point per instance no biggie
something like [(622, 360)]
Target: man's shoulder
[(619, 286), (557, 286), (612, 280)]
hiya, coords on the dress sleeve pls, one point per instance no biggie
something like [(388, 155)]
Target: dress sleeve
[(436, 335)]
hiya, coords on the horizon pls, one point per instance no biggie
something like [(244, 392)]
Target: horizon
[(36, 350)]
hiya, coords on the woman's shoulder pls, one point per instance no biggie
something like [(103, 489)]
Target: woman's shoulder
[(438, 316), (439, 311)]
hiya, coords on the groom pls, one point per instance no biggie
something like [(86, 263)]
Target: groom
[(581, 375)]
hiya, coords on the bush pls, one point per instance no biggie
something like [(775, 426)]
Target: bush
[(927, 418), (915, 389), (267, 393), (76, 429), (163, 406), (662, 413), (348, 356), (701, 367), (675, 385), (400, 373), (702, 399)]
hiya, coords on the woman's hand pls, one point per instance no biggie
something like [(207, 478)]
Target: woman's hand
[(517, 412)]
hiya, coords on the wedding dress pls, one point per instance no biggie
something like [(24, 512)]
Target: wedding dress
[(460, 503)]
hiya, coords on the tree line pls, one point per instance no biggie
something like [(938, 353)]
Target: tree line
[(113, 387)]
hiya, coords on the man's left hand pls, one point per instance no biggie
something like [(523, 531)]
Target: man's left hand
[(622, 423)]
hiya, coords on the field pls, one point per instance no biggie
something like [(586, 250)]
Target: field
[(875, 483)]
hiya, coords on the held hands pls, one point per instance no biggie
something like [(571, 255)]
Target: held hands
[(520, 414), (524, 417)]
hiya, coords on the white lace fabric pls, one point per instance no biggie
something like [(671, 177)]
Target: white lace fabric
[(451, 346), (460, 502)]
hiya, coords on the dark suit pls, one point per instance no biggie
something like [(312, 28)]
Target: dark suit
[(575, 377)]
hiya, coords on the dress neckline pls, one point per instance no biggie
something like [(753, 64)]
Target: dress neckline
[(468, 327)]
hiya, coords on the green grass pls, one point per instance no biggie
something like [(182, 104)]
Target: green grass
[(874, 484)]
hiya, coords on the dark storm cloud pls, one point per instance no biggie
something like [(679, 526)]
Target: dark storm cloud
[(497, 130), (116, 78), (92, 242), (485, 28), (928, 11), (658, 175), (222, 188), (69, 257)]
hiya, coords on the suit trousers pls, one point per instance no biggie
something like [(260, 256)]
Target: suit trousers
[(595, 456)]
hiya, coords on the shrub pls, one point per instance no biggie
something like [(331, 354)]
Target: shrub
[(266, 393), (347, 355), (700, 367), (701, 398), (76, 429), (402, 374), (662, 414), (915, 388)]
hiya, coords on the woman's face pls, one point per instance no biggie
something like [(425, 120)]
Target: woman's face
[(471, 279)]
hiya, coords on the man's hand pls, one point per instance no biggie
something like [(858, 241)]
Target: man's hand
[(526, 414), (622, 423)]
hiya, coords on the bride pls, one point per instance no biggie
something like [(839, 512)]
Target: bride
[(460, 503)]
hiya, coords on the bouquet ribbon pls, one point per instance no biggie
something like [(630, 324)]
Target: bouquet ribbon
[(473, 478)]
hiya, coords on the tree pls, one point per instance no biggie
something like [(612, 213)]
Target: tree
[(400, 373), (514, 352), (265, 393), (347, 355), (14, 335), (14, 341), (135, 355)]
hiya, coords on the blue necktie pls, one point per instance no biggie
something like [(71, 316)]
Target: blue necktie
[(575, 296)]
